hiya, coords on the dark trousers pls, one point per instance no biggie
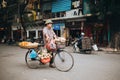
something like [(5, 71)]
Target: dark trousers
[(52, 58)]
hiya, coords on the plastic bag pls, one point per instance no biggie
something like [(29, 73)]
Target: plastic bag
[(95, 47), (51, 45), (33, 54)]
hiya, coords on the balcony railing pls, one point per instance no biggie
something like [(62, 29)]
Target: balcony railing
[(74, 13)]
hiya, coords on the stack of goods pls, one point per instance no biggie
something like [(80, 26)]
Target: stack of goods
[(60, 42), (44, 56), (86, 43), (28, 45)]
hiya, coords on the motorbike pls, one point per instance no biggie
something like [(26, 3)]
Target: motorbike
[(82, 45)]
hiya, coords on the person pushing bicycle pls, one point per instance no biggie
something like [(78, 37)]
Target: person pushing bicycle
[(48, 36)]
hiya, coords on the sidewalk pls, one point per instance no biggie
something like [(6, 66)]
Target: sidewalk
[(101, 50), (109, 50)]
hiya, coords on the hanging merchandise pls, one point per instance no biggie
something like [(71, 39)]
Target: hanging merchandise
[(33, 54), (30, 5), (4, 4), (44, 56), (38, 4), (76, 4), (51, 46), (34, 14)]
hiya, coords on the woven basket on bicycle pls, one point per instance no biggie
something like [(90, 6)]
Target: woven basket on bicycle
[(61, 42), (28, 45), (60, 45)]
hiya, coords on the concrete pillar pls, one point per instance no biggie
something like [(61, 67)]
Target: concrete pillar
[(36, 34), (12, 34), (82, 26), (22, 34), (62, 30), (27, 34)]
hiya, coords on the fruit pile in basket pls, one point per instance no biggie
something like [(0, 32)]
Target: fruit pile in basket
[(60, 39), (60, 42), (44, 56), (28, 45)]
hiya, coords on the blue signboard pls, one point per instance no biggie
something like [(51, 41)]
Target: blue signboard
[(56, 27)]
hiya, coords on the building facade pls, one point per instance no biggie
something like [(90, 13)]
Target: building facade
[(70, 17)]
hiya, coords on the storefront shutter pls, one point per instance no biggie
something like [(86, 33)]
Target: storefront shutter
[(61, 5)]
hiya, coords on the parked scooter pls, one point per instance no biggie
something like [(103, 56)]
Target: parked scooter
[(76, 45), (80, 45)]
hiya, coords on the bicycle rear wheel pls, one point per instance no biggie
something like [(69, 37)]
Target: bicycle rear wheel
[(32, 63), (63, 61)]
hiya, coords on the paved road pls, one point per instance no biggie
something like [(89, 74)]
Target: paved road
[(97, 66)]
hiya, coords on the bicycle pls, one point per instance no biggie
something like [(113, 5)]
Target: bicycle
[(63, 60)]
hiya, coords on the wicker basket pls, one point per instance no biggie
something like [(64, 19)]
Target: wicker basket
[(29, 45), (60, 45), (86, 43)]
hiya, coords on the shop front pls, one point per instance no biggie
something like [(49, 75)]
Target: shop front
[(94, 30), (58, 28), (75, 27), (17, 32), (98, 32), (35, 33)]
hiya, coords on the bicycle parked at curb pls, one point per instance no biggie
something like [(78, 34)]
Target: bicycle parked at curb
[(63, 60)]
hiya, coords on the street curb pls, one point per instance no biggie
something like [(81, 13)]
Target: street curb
[(106, 52)]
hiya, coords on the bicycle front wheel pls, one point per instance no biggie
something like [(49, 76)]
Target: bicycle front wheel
[(63, 61)]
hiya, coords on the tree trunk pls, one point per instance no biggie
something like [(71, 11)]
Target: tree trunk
[(22, 9)]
